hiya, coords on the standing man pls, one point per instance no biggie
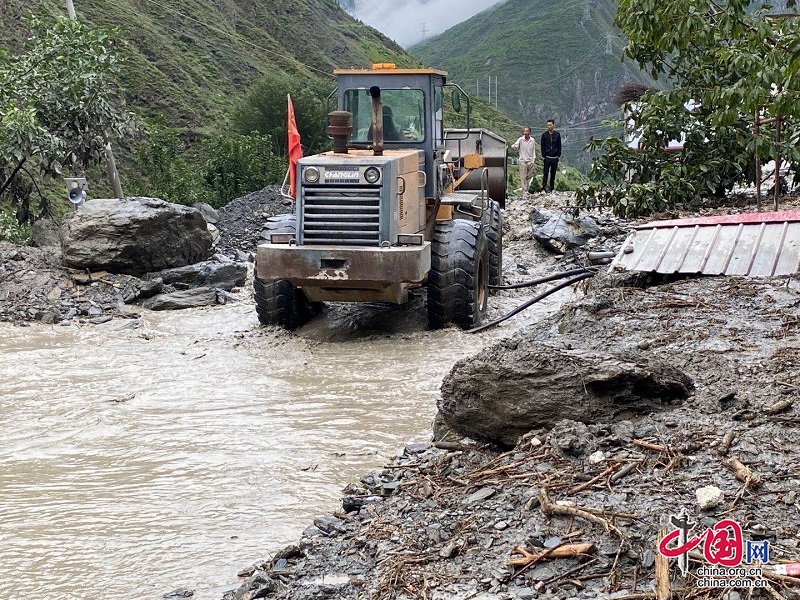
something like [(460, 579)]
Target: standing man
[(527, 156), (551, 152)]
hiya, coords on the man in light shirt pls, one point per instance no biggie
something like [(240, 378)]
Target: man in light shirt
[(527, 156)]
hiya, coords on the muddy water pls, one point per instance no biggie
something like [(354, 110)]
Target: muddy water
[(138, 459)]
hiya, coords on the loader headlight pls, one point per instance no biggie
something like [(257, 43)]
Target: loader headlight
[(372, 175), (311, 175)]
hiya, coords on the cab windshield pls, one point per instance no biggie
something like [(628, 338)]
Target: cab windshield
[(403, 115)]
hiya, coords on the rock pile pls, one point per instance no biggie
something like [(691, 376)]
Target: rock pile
[(242, 221), (577, 509), (120, 253)]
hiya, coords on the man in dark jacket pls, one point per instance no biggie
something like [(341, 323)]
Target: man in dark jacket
[(551, 152)]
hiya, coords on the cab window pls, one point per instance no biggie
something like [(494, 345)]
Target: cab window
[(403, 115)]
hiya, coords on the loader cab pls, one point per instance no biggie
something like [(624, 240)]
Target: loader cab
[(413, 111)]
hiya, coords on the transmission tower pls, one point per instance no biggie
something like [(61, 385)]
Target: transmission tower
[(424, 30)]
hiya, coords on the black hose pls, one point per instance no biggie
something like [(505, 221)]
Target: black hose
[(534, 300), (553, 277)]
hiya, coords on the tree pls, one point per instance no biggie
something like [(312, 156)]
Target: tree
[(214, 169), (59, 101), (264, 110), (731, 64)]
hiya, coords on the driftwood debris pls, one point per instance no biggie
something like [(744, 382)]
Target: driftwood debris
[(743, 473), (562, 551), (663, 590)]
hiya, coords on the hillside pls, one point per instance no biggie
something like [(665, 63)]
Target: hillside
[(189, 59), (557, 60)]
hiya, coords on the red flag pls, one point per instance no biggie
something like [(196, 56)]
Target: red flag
[(295, 150)]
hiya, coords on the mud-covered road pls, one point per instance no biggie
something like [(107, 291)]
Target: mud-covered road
[(141, 456)]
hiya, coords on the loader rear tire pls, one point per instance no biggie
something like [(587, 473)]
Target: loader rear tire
[(279, 302), (457, 281), (493, 223)]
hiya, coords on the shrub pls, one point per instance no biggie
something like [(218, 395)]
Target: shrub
[(11, 230)]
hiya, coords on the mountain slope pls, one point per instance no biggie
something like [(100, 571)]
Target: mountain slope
[(555, 60), (189, 59)]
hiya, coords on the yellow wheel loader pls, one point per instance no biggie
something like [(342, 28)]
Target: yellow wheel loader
[(400, 202)]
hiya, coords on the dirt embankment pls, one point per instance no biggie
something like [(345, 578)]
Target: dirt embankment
[(577, 510)]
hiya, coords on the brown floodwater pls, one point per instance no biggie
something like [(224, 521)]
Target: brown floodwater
[(137, 457)]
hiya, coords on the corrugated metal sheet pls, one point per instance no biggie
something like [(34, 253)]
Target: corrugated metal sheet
[(752, 244)]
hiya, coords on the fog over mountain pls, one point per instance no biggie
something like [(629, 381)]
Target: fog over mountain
[(408, 21)]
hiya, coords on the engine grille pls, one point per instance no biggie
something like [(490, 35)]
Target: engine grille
[(341, 216)]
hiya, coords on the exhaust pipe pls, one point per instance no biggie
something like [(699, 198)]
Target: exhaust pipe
[(340, 126), (377, 121)]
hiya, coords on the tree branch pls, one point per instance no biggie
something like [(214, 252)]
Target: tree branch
[(11, 177)]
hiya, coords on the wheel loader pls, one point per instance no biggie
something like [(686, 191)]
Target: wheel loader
[(400, 202)]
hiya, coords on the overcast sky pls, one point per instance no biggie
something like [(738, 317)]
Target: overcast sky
[(403, 20)]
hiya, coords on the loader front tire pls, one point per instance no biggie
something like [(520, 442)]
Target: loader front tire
[(457, 281), (279, 302)]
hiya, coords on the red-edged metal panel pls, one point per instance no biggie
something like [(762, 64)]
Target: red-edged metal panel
[(750, 244)]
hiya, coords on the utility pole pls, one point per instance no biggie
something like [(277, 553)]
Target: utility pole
[(111, 164), (608, 43), (495, 91), (70, 9), (490, 90)]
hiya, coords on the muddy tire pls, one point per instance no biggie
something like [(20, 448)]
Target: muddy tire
[(279, 302), (493, 224), (459, 274)]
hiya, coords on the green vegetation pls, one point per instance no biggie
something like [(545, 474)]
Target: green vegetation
[(59, 104), (216, 169), (551, 60), (263, 109), (731, 63), (11, 230), (185, 66)]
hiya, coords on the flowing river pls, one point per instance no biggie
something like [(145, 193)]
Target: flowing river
[(138, 457)]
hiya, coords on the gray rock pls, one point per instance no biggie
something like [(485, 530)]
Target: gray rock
[(329, 525), (481, 495), (224, 297), (208, 212), (180, 593), (150, 287), (564, 232), (205, 274), (518, 385), (100, 320), (258, 585), (202, 296), (44, 233), (134, 236)]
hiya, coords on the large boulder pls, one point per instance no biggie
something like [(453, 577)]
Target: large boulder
[(134, 236), (560, 231), (519, 384)]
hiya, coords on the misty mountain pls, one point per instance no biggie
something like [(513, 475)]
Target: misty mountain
[(545, 59)]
